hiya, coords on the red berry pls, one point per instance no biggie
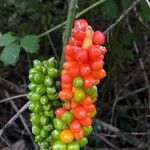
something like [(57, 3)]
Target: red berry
[(65, 94), (103, 49), (80, 112), (90, 108), (85, 69), (69, 64), (78, 34), (87, 101), (86, 121), (89, 81), (59, 112), (81, 55), (74, 71), (66, 86), (66, 78), (81, 24), (97, 64), (67, 105), (94, 52), (75, 42), (78, 135), (75, 126), (98, 38), (69, 51)]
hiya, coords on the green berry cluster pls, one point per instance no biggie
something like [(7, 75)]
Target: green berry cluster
[(43, 98)]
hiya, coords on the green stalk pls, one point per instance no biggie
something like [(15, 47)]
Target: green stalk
[(69, 25)]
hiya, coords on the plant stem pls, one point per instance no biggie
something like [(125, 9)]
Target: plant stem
[(69, 25), (89, 8), (77, 16)]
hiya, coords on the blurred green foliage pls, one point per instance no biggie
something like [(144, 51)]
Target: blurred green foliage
[(21, 18)]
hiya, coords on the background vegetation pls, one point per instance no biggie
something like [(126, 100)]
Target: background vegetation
[(33, 29)]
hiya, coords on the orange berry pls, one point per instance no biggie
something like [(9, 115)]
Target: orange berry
[(78, 135), (66, 136)]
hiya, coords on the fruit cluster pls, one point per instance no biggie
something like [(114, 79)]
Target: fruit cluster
[(43, 98), (65, 123), (81, 72)]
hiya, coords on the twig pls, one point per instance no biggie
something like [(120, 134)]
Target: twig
[(13, 97), (148, 2), (127, 137), (77, 16), (11, 86), (69, 25), (117, 99), (140, 18), (121, 17), (134, 92), (22, 120), (14, 118), (89, 8), (104, 139), (52, 45), (141, 63)]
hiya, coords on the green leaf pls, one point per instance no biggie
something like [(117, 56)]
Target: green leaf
[(145, 11), (126, 3), (10, 54), (119, 51), (30, 43), (127, 39), (6, 39), (109, 8)]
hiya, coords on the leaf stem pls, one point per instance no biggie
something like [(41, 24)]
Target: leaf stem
[(77, 16), (68, 27)]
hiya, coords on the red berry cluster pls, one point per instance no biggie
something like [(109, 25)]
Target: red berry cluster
[(81, 72)]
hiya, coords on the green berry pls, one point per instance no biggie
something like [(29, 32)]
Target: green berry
[(48, 81), (44, 100), (35, 130), (67, 117), (78, 82)]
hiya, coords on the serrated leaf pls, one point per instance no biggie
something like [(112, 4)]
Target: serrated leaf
[(10, 54), (109, 8), (145, 11), (30, 43), (6, 39)]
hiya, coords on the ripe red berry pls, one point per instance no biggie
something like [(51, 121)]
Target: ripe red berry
[(87, 101), (90, 108), (97, 64), (81, 24), (94, 52), (67, 105), (75, 126), (88, 81), (78, 135), (65, 94), (81, 55), (74, 70), (75, 42), (66, 86), (98, 38), (70, 64), (66, 78), (85, 69), (78, 34), (86, 121), (80, 112), (69, 51), (59, 112), (103, 50)]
